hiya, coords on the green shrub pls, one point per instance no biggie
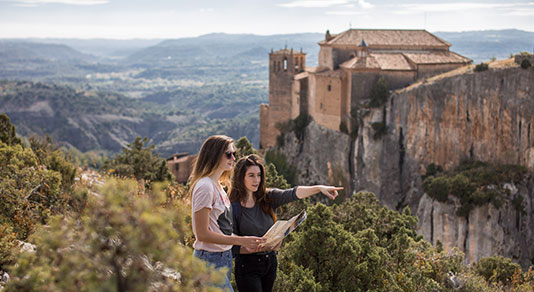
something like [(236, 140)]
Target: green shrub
[(481, 67), (8, 133), (437, 188), (380, 130), (8, 244), (525, 64), (282, 165), (475, 183), (299, 125), (346, 246), (432, 170), (137, 160), (244, 148), (496, 269), (280, 140), (379, 93), (49, 154), (126, 239)]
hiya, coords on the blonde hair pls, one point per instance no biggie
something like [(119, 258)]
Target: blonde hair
[(208, 160)]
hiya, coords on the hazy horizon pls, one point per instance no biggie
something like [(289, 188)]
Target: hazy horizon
[(165, 19)]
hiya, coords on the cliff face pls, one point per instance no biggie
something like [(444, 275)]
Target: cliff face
[(487, 116)]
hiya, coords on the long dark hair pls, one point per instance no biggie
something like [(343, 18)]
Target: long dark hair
[(208, 160), (238, 191)]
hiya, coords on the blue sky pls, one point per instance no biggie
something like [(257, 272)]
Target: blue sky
[(124, 19)]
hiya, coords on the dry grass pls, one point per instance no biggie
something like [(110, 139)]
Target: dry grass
[(498, 64)]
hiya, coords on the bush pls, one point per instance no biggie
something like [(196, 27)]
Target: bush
[(475, 183), (125, 240), (299, 125), (282, 166), (379, 93), (432, 170), (8, 243), (137, 160), (29, 192), (49, 154), (481, 67), (525, 64), (8, 133), (496, 269), (346, 246), (380, 128), (244, 148)]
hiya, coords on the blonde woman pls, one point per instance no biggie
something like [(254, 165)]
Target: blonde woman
[(210, 207)]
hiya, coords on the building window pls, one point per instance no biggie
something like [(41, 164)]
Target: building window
[(329, 87), (285, 64)]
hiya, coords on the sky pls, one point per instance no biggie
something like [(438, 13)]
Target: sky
[(155, 19)]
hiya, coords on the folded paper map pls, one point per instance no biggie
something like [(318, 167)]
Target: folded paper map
[(281, 229)]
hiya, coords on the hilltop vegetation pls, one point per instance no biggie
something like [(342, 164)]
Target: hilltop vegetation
[(128, 235)]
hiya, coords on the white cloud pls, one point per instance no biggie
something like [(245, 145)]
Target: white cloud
[(314, 3), (365, 5), (32, 3)]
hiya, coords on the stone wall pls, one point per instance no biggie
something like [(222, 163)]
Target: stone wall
[(328, 95), (486, 116)]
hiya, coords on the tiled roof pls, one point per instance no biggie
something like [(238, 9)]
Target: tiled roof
[(401, 61), (436, 57), (368, 62), (392, 62), (387, 38)]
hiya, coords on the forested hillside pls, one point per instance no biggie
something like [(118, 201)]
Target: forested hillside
[(174, 121)]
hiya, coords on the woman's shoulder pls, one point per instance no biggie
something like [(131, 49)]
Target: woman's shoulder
[(205, 183)]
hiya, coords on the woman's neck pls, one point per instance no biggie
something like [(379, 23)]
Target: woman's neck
[(216, 175), (249, 199)]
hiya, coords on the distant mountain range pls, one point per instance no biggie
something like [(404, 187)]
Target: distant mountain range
[(483, 45), (180, 90)]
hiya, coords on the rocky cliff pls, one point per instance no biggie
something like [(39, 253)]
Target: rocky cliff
[(485, 116)]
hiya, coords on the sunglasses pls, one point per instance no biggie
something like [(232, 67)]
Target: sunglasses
[(229, 154)]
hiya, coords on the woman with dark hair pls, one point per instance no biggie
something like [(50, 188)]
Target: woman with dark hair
[(253, 214), (210, 206)]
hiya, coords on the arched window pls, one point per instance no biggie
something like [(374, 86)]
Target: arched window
[(285, 64)]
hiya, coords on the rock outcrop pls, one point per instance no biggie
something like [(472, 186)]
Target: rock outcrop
[(487, 116)]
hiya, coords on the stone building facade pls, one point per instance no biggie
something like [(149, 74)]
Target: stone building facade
[(181, 166), (349, 65)]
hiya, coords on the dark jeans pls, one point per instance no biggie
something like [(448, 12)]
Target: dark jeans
[(218, 260), (255, 272)]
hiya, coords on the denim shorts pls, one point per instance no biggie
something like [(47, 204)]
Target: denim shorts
[(218, 260)]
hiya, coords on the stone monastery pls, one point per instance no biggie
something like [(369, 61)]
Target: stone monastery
[(350, 63)]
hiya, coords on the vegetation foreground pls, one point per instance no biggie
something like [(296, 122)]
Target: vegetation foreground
[(129, 229)]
